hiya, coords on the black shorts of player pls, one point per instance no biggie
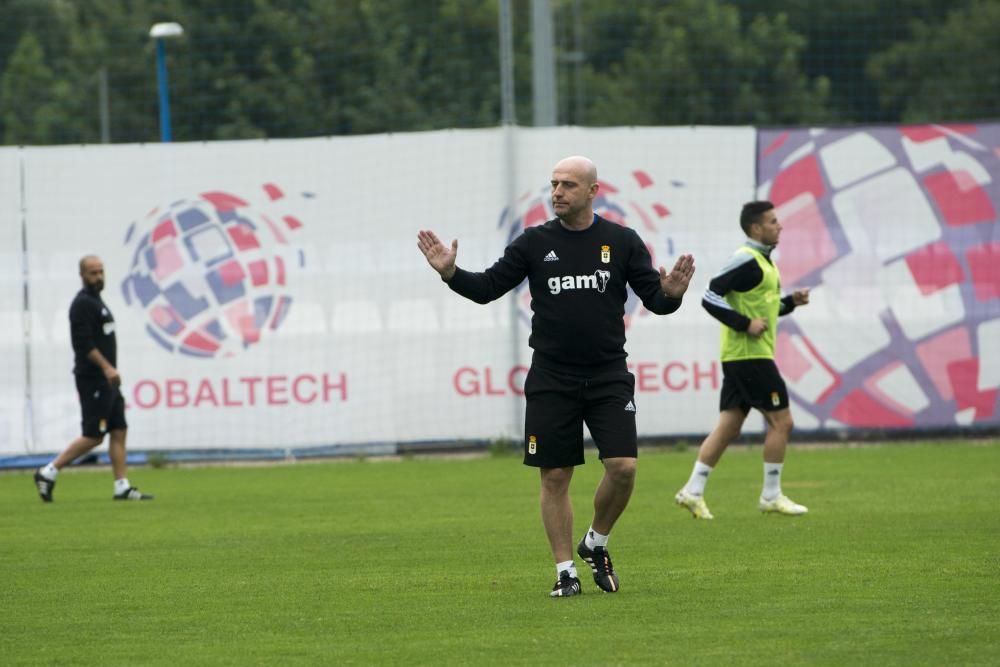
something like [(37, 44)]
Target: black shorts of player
[(752, 383), (557, 407), (102, 406)]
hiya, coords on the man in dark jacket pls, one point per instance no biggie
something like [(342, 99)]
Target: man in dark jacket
[(578, 266), (98, 384)]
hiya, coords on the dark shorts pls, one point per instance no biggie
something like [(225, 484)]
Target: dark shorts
[(752, 383), (101, 405), (558, 405)]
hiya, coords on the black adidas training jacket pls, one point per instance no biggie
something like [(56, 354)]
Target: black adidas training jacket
[(577, 281)]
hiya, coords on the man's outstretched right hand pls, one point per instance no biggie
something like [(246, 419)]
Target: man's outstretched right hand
[(438, 255)]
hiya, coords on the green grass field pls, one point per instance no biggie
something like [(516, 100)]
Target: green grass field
[(436, 561)]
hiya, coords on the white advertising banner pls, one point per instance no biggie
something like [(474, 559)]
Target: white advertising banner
[(270, 294), (13, 348)]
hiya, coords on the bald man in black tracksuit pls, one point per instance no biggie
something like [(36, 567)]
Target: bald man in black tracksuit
[(98, 386), (578, 266)]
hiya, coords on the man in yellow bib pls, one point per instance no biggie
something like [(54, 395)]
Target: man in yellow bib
[(746, 298)]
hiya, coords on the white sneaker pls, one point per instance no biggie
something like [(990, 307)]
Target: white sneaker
[(782, 505), (694, 504)]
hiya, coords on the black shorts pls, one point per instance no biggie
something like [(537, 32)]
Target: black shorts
[(557, 407), (102, 406), (752, 383)]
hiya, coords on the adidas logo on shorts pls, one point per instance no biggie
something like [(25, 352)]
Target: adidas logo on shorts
[(630, 407)]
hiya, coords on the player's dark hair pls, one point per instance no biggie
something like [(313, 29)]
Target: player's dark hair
[(751, 213)]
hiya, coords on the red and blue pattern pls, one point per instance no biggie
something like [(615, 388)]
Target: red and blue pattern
[(211, 274), (897, 231)]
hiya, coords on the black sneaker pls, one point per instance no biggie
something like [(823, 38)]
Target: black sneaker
[(599, 561), (132, 493), (566, 586), (44, 486)]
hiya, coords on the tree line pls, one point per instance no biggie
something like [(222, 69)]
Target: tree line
[(299, 68)]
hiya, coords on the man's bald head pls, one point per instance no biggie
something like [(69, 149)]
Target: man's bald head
[(92, 272), (88, 260), (574, 186), (581, 166)]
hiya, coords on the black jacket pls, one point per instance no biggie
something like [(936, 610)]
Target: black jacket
[(578, 290), (91, 325)]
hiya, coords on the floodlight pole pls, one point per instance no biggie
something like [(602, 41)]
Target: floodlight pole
[(161, 77), (543, 64), (160, 32)]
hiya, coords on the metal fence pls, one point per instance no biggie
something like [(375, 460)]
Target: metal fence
[(91, 71)]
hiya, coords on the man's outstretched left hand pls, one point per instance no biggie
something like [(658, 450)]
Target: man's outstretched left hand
[(675, 283)]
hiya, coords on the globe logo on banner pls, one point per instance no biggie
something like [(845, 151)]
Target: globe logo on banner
[(896, 231), (210, 274), (637, 204)]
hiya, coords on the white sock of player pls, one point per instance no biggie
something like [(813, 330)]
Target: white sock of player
[(595, 539), (49, 471), (772, 481), (566, 566), (121, 485), (699, 477)]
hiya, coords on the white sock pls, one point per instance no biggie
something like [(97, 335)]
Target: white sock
[(595, 539), (121, 485), (566, 566), (699, 478), (49, 471), (772, 481)]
